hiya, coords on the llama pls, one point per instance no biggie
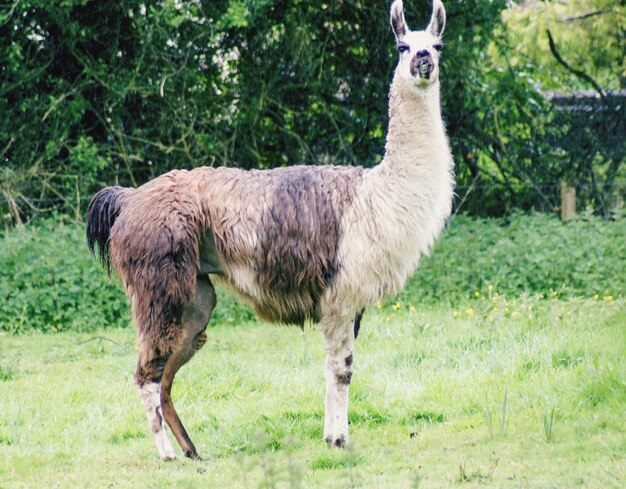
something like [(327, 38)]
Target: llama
[(304, 243)]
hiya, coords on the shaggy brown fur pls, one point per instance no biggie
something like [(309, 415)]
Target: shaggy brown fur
[(292, 249), (300, 243), (154, 246), (159, 236)]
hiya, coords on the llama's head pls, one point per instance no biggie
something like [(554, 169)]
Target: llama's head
[(419, 50)]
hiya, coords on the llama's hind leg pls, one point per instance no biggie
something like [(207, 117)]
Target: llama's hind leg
[(148, 380), (339, 335), (151, 398), (195, 317)]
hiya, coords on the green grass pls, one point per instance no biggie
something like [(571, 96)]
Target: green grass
[(501, 364), (252, 400)]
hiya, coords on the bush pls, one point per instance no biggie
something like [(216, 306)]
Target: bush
[(536, 254), (49, 282)]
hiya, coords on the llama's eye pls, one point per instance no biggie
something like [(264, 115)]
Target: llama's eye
[(438, 47), (402, 48)]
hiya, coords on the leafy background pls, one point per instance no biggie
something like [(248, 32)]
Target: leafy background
[(97, 93), (49, 282)]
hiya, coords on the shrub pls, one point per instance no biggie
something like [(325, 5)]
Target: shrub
[(49, 282)]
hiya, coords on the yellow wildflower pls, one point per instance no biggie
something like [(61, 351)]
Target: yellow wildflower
[(412, 309), (607, 298), (490, 288), (455, 314), (397, 306), (476, 294), (491, 318), (469, 312), (496, 309), (506, 309), (596, 297)]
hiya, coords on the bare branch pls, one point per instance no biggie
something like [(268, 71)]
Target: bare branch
[(5, 18), (104, 338), (584, 15), (13, 207), (57, 102), (580, 74), (469, 191)]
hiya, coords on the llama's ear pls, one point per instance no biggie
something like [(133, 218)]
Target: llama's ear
[(396, 16), (438, 19)]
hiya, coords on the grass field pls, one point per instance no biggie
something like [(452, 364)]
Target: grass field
[(521, 393), (502, 364)]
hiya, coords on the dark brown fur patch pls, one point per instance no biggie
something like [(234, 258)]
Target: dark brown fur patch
[(357, 323), (154, 247), (349, 360), (297, 227), (345, 378), (159, 236)]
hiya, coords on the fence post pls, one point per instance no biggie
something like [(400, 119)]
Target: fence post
[(568, 202)]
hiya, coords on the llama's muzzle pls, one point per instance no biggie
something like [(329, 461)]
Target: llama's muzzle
[(422, 64)]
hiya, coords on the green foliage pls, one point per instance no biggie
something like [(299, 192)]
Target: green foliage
[(49, 282), (589, 34), (534, 254), (97, 93), (530, 145)]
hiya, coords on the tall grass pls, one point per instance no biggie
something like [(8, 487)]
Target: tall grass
[(252, 400)]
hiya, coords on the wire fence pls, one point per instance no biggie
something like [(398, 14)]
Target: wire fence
[(606, 199)]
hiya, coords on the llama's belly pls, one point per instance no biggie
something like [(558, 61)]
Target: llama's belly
[(281, 276)]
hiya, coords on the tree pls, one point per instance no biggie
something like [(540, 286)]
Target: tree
[(96, 93)]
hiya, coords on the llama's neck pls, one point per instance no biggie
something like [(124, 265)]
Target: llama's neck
[(408, 196), (402, 204), (416, 140)]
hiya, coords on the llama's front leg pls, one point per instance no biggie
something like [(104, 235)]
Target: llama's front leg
[(339, 345)]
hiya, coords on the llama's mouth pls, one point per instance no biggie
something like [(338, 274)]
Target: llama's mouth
[(422, 67)]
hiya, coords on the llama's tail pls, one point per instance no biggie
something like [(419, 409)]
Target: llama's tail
[(101, 214)]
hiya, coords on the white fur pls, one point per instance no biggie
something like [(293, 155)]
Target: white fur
[(339, 349), (399, 209), (151, 399)]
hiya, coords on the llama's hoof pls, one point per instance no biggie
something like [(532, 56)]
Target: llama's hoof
[(193, 455), (336, 442), (168, 457)]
